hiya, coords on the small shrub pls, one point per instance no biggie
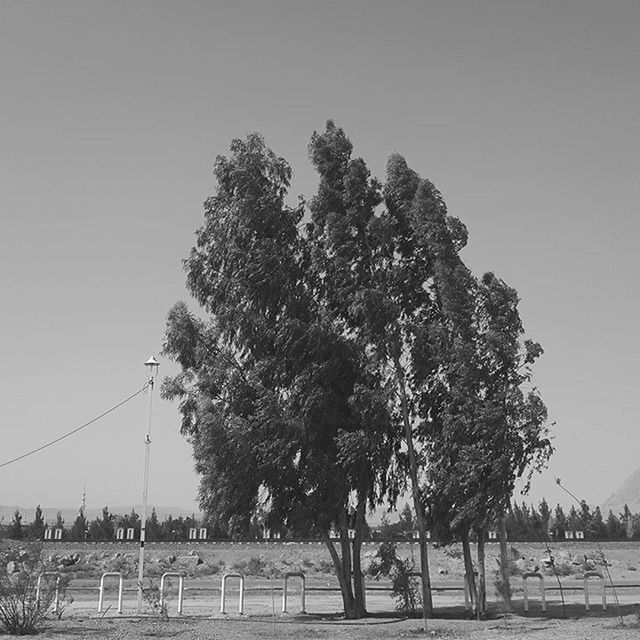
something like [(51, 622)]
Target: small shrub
[(208, 568), (124, 565), (563, 567), (404, 587), (453, 552), (157, 604), (255, 566), (154, 570), (325, 566), (82, 570), (21, 611)]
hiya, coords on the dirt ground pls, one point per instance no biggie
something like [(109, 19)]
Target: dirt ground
[(264, 565), (593, 627), (278, 557)]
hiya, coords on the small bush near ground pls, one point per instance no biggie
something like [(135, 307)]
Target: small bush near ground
[(405, 590), (562, 567), (123, 564), (22, 609), (156, 603), (325, 566), (209, 568), (255, 566), (453, 552)]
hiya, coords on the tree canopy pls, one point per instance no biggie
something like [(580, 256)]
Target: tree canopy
[(339, 361)]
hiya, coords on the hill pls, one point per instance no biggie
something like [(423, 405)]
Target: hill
[(628, 493)]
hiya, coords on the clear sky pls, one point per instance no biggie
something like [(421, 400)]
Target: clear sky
[(526, 115)]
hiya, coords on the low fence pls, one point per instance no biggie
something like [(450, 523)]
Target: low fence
[(591, 580)]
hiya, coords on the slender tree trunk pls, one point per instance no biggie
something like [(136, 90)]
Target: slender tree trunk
[(482, 580), (358, 580), (469, 571), (504, 561), (427, 602), (344, 580)]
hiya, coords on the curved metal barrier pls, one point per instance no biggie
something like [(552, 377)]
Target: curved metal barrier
[(594, 574), (293, 574), (180, 577), (223, 592), (543, 603), (120, 589), (56, 601)]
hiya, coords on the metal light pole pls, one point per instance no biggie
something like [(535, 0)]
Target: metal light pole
[(152, 369)]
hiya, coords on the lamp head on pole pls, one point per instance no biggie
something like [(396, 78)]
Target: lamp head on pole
[(152, 367)]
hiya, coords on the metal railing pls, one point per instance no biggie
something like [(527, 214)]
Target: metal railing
[(537, 576), (223, 591), (180, 577), (594, 574), (56, 601), (120, 589), (294, 574)]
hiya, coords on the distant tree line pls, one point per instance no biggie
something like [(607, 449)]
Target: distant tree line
[(523, 523), (530, 523), (104, 527)]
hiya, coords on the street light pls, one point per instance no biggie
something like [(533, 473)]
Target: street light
[(152, 369)]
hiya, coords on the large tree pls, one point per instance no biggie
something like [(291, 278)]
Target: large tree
[(379, 251), (284, 418), (493, 430), (340, 362)]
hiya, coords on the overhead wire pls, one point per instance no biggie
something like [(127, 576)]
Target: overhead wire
[(70, 433), (600, 551)]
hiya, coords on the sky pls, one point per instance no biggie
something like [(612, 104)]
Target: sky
[(525, 115)]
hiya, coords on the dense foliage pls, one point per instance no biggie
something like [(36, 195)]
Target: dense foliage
[(343, 361)]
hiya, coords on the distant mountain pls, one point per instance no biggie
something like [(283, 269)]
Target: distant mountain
[(69, 513), (628, 493)]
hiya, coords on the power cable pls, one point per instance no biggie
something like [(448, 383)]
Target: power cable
[(70, 433), (604, 560), (555, 572)]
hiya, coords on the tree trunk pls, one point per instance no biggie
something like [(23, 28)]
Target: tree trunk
[(469, 572), (344, 580), (427, 602), (482, 581), (358, 579), (504, 562)]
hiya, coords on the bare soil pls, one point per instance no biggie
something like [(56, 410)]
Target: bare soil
[(594, 627), (264, 564)]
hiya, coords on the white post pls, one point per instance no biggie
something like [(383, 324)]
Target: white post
[(180, 589), (44, 574), (285, 591), (152, 368), (594, 574), (224, 589), (538, 576), (120, 589)]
